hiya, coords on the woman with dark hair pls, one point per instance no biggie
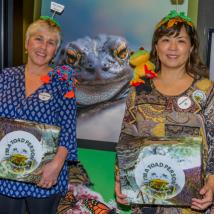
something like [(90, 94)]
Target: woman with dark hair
[(194, 65), (179, 101)]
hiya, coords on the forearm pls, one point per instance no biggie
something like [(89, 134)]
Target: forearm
[(210, 182), (60, 156)]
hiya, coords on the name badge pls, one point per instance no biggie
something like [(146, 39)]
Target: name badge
[(44, 96), (199, 96), (184, 102)]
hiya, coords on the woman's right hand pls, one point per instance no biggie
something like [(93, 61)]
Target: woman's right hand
[(121, 198)]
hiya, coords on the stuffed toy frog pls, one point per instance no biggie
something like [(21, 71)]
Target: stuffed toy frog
[(143, 68)]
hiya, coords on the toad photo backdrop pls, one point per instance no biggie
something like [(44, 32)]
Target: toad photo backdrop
[(98, 39)]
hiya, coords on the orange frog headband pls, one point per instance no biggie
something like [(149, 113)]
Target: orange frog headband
[(53, 22), (174, 18)]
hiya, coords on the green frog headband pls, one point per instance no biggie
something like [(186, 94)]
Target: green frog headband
[(173, 18), (51, 20)]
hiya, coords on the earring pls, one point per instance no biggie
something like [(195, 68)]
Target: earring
[(52, 62), (26, 52), (157, 64), (189, 62)]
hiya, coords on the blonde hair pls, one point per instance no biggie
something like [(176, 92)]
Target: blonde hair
[(41, 24)]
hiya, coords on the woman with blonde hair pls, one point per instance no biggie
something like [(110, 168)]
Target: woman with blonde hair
[(25, 96)]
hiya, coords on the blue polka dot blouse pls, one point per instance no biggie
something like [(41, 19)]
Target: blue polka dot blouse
[(57, 110)]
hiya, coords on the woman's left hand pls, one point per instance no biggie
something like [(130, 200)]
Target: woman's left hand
[(49, 174), (206, 201)]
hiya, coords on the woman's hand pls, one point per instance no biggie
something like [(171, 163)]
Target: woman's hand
[(206, 201), (207, 195), (121, 198), (49, 174)]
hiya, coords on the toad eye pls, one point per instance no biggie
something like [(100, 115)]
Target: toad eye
[(121, 52), (73, 56)]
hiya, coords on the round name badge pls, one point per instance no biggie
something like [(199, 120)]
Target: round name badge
[(184, 102), (44, 96), (199, 96)]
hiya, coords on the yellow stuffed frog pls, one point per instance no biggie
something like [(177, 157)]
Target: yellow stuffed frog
[(143, 68)]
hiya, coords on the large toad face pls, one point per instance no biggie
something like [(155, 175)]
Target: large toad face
[(102, 65)]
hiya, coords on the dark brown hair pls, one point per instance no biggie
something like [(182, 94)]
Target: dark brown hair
[(194, 65)]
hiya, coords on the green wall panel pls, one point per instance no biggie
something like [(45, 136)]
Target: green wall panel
[(100, 167)]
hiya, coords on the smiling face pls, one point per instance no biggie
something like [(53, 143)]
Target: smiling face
[(174, 50), (41, 47)]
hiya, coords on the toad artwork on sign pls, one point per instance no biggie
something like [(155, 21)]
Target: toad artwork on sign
[(103, 74), (164, 171), (25, 147)]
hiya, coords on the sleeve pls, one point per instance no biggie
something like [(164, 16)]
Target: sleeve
[(129, 127), (67, 122), (209, 129)]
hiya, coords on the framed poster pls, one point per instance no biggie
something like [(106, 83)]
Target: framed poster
[(210, 54)]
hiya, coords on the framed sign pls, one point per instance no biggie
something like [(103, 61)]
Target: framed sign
[(24, 147), (210, 54), (165, 171)]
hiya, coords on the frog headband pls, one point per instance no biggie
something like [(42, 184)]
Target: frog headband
[(173, 18), (51, 20)]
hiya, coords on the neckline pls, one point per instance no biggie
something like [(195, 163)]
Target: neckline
[(173, 96), (25, 88)]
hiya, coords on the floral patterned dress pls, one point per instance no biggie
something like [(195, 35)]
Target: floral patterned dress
[(152, 114)]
